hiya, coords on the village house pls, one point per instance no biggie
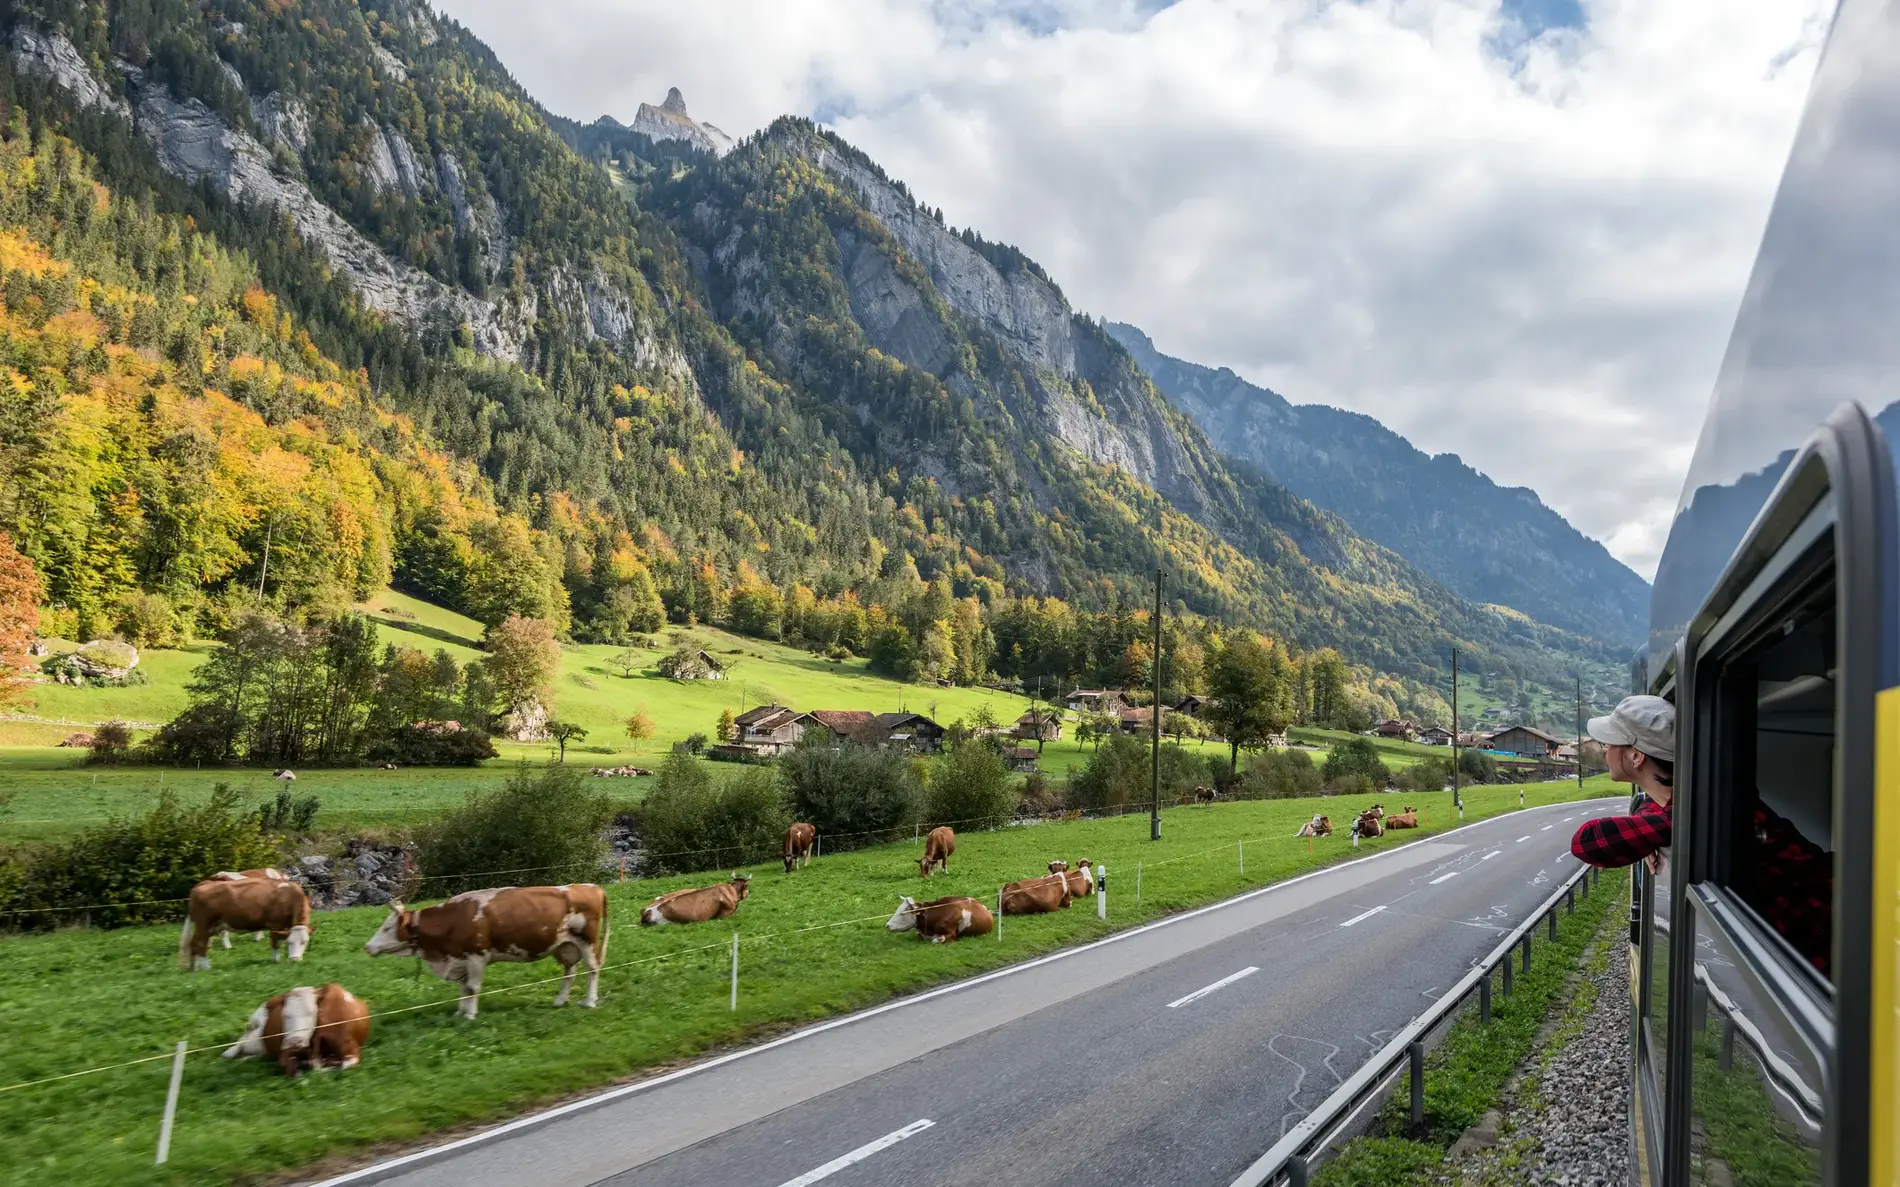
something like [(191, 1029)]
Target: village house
[(1044, 722), (1096, 700), (911, 729), (1191, 705), (1524, 741), (1435, 735), (1392, 727), (1021, 759), (1135, 721), (767, 730), (842, 725)]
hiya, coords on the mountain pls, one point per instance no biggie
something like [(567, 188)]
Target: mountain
[(1491, 544), (669, 121), (766, 388)]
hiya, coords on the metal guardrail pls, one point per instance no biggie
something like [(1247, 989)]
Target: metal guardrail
[(1304, 1147)]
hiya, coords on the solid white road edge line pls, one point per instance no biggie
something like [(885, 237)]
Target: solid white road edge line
[(1362, 916), (858, 1155), (1202, 992), (533, 1120), (1445, 877)]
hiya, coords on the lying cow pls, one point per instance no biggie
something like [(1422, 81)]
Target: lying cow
[(1081, 880), (1036, 896), (460, 938), (942, 920), (1368, 824), (799, 840), (306, 1029), (1405, 819), (697, 905), (227, 903), (939, 844), (1319, 826)]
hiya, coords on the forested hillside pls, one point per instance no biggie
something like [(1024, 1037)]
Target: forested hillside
[(324, 283), (1486, 542)]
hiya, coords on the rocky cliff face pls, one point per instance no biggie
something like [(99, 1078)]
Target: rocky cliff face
[(669, 121), (1491, 544)]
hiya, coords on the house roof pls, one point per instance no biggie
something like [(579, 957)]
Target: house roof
[(893, 720), (709, 659), (1436, 729), (1532, 730), (1020, 752), (762, 714), (844, 721), (1095, 692)]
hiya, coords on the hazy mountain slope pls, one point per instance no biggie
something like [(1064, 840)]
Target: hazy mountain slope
[(1488, 543)]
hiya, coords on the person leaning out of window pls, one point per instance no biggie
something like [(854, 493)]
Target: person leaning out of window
[(1639, 743)]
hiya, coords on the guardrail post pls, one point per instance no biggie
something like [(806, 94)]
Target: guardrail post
[(1726, 1060), (1506, 966), (1552, 917), (1699, 1007), (1527, 952), (1570, 899), (1417, 1054), (1484, 999), (1296, 1172)]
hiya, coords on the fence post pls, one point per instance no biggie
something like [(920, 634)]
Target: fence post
[(1137, 886), (1726, 1060), (999, 914), (818, 846), (623, 867), (734, 1007), (1243, 857), (1417, 1053), (1484, 999), (171, 1105)]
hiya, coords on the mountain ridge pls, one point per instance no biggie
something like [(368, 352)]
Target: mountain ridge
[(1504, 546)]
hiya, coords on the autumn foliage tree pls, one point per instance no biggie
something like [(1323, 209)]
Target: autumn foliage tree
[(19, 618)]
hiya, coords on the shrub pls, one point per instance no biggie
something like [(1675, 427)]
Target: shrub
[(848, 790), (146, 619), (970, 784), (135, 860), (1279, 775), (288, 816), (1356, 757), (1040, 797), (1120, 773), (540, 826), (689, 821), (1430, 774), (110, 742), (1349, 785), (1477, 766), (428, 744), (639, 725)]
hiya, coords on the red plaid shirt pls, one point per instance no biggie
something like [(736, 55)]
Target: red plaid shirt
[(1616, 841)]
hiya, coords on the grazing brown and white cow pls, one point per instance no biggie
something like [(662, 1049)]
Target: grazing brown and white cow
[(1206, 795), (798, 842), (942, 920), (460, 938), (223, 903), (939, 844), (1319, 826), (267, 874), (697, 905), (1036, 896), (1081, 880), (308, 1028), (1405, 819)]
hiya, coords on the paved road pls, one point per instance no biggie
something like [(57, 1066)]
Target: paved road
[(1174, 1053)]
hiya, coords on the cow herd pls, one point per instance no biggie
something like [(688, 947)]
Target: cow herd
[(324, 1027)]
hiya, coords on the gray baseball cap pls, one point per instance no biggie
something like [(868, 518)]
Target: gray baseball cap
[(1647, 723)]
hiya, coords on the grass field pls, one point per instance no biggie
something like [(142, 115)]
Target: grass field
[(76, 999)]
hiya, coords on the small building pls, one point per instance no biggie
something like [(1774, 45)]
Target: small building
[(843, 725), (1021, 759), (767, 730), (1191, 705), (1046, 723), (1524, 741), (1097, 700), (691, 664), (1392, 727), (1435, 735), (911, 729), (1135, 721)]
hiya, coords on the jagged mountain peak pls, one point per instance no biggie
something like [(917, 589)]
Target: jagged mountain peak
[(675, 102), (669, 121)]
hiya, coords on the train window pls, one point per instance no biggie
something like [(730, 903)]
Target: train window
[(1773, 775)]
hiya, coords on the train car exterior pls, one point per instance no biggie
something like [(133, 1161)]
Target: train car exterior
[(1765, 974)]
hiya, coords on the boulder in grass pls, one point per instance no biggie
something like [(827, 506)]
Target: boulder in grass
[(102, 659), (78, 741)]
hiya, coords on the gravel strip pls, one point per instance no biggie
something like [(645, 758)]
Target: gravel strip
[(1567, 1124)]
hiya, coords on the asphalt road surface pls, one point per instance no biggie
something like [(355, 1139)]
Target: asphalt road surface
[(1175, 1053)]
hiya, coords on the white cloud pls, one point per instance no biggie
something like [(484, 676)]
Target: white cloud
[(1533, 262)]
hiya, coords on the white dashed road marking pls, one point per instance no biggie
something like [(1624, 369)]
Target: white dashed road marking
[(1362, 916), (1443, 878), (1521, 840), (1220, 984), (858, 1155), (1546, 828), (1490, 855)]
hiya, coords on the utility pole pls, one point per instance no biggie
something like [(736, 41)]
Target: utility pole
[(1154, 720), (1579, 733), (1457, 751), (269, 527)]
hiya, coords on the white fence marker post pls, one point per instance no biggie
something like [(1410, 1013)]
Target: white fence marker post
[(1137, 886), (171, 1105), (1101, 902), (999, 914), (734, 1007), (1355, 838), (1243, 859)]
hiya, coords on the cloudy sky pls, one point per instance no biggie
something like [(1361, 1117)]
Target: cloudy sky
[(1517, 230)]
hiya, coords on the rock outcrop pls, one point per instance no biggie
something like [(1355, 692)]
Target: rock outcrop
[(51, 56), (669, 121)]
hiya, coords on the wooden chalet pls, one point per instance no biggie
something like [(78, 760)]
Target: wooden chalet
[(1096, 700), (1021, 759), (1392, 727), (914, 730), (767, 730), (1524, 741), (1044, 722), (1191, 705), (1435, 735)]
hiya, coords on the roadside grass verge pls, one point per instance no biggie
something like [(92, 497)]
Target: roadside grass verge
[(75, 999), (1467, 1073)]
